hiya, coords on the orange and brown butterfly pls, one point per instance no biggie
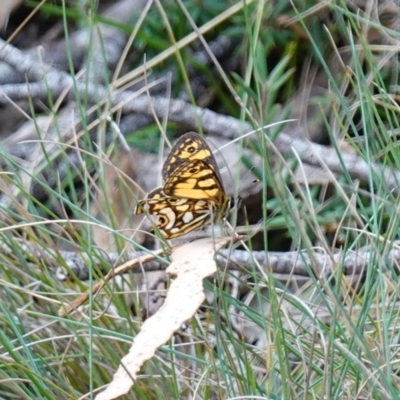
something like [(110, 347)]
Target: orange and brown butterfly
[(193, 194)]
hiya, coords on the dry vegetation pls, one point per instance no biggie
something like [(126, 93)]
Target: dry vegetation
[(299, 100)]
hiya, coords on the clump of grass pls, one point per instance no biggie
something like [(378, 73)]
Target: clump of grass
[(254, 337)]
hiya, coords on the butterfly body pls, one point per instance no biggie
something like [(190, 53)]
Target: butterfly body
[(193, 194)]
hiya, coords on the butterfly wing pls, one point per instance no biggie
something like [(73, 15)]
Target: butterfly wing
[(189, 147), (195, 180), (175, 216), (151, 198), (193, 194)]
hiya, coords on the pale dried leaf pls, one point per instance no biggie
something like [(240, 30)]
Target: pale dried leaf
[(191, 262)]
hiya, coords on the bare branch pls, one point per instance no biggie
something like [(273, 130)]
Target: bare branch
[(184, 113), (304, 263)]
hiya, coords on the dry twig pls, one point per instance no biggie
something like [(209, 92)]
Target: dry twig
[(179, 111)]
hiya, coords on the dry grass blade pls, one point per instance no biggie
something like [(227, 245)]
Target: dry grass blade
[(132, 264)]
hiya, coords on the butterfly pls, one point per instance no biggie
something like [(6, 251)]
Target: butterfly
[(193, 194)]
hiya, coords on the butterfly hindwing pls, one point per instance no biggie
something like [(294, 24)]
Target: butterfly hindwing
[(175, 216)]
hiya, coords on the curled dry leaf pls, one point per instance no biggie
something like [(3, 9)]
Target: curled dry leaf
[(191, 262)]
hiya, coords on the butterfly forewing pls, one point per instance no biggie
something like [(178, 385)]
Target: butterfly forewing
[(193, 194), (189, 147), (195, 180)]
